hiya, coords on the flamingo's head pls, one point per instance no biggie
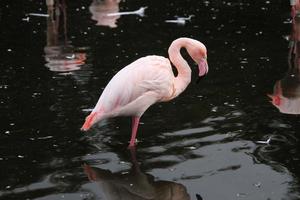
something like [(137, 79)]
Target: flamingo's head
[(198, 52)]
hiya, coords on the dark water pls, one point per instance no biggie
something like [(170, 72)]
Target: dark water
[(204, 143)]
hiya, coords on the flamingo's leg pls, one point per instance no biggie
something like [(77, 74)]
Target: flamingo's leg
[(135, 124)]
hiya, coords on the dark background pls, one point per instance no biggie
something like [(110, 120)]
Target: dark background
[(204, 139)]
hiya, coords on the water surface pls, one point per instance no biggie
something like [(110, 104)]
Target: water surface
[(202, 143)]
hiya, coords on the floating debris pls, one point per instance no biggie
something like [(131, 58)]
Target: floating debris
[(214, 109), (191, 148), (264, 142), (87, 109), (45, 137), (3, 86), (140, 12), (258, 184), (38, 14), (70, 56), (97, 147), (288, 21), (180, 20), (66, 73), (241, 194), (26, 19)]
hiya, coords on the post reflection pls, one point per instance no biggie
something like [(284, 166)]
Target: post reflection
[(135, 185), (286, 92), (100, 10), (60, 55)]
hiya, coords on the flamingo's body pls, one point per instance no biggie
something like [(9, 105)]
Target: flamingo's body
[(146, 81)]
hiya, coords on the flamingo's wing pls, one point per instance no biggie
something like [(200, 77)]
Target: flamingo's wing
[(137, 86)]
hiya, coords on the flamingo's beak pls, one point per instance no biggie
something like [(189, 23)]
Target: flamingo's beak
[(203, 68)]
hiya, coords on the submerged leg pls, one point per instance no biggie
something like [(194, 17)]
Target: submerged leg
[(134, 161), (135, 124)]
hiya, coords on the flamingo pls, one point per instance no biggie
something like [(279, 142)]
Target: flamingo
[(146, 81), (286, 92)]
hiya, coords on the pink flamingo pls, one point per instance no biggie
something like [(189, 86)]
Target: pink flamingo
[(146, 81)]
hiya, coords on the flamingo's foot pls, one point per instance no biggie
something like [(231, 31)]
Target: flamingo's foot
[(132, 144)]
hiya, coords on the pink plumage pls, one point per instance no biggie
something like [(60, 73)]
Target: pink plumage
[(146, 81)]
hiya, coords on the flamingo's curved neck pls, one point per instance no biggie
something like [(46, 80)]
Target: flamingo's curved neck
[(184, 71)]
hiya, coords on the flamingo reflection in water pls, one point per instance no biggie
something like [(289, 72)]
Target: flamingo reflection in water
[(286, 92), (135, 185), (100, 10), (60, 55)]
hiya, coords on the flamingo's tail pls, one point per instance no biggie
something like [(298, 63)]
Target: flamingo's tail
[(89, 121)]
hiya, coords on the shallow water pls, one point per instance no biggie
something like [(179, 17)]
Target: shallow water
[(202, 143)]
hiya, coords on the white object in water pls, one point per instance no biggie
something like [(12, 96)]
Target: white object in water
[(140, 12), (264, 142), (38, 14), (180, 20), (70, 56), (26, 19), (176, 21), (87, 109)]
